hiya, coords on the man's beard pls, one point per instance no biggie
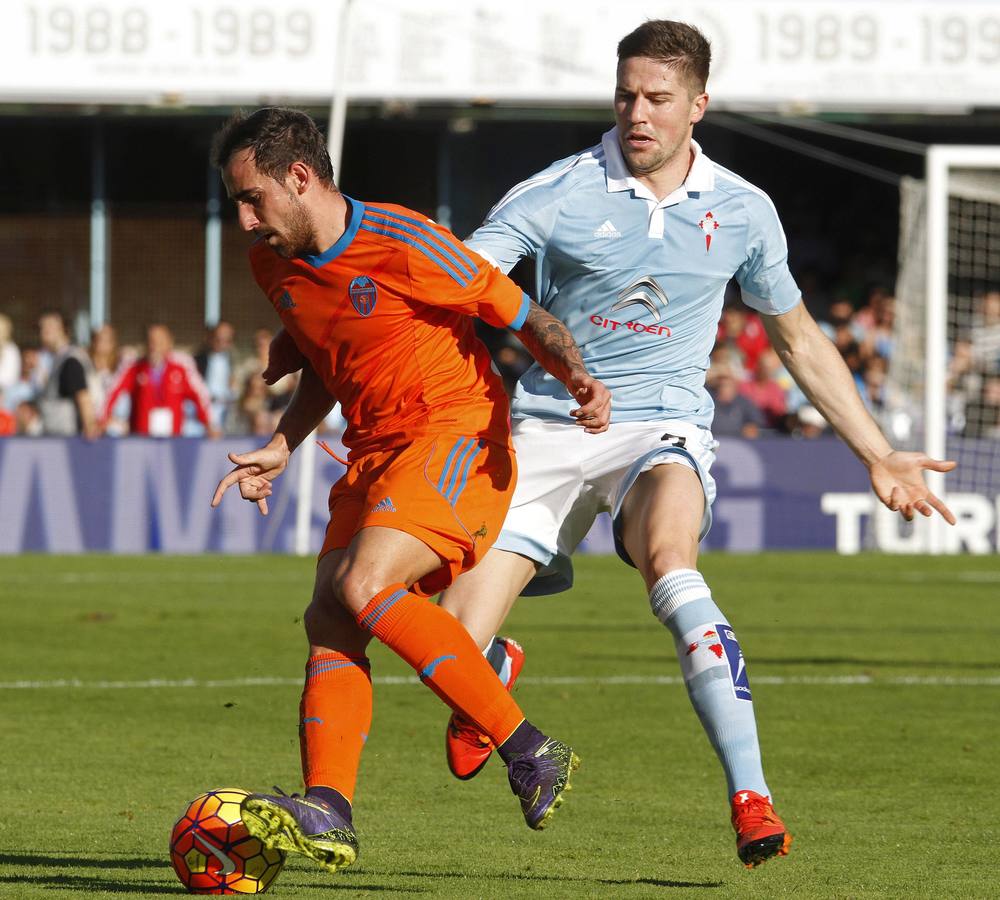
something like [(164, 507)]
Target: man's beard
[(299, 237), (652, 160)]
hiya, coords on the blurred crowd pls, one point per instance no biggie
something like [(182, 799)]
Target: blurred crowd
[(49, 386), (974, 372), (754, 393)]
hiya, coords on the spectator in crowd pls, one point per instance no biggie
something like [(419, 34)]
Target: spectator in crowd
[(65, 403), (764, 391), (253, 366), (217, 368), (855, 362), (29, 419), (839, 325), (735, 415), (809, 422), (158, 384), (106, 359), (254, 415), (874, 374), (741, 332), (982, 419), (985, 334), (869, 315), (876, 328), (29, 385), (8, 423), (10, 356)]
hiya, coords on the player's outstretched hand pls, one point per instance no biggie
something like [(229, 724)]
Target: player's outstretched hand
[(594, 412), (283, 358), (254, 473), (898, 480)]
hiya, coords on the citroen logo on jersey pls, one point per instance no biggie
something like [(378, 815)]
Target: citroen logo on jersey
[(644, 291), (363, 294)]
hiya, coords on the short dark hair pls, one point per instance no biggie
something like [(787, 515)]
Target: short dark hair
[(680, 46), (277, 137)]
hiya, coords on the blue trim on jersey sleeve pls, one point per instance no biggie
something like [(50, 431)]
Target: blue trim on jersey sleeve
[(368, 225), (344, 241), (434, 238), (522, 313)]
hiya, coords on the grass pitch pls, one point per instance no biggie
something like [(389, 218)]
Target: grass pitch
[(126, 689)]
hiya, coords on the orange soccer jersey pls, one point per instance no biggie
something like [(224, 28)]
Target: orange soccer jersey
[(384, 317)]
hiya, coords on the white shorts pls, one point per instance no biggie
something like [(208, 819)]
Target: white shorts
[(566, 477)]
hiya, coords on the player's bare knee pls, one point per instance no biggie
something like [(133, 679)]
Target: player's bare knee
[(354, 589)]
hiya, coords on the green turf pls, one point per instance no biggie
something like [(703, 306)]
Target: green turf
[(889, 787)]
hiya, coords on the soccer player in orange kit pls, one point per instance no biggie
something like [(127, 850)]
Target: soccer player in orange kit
[(376, 303)]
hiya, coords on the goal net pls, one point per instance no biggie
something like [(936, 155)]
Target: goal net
[(942, 390)]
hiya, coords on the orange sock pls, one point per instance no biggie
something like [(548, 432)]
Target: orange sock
[(446, 658), (335, 716)]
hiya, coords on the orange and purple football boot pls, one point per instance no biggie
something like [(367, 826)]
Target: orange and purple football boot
[(306, 825), (540, 777)]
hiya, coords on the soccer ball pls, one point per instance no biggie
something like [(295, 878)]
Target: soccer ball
[(213, 853)]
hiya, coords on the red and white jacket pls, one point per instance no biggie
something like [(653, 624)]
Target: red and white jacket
[(155, 392)]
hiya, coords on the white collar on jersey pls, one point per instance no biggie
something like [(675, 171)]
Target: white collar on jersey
[(700, 177)]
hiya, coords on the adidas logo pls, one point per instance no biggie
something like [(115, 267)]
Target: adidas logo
[(607, 230), (286, 301), (384, 506)]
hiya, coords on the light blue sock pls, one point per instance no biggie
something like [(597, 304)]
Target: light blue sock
[(715, 674)]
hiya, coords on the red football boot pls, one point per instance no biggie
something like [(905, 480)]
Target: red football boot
[(760, 834), (466, 747)]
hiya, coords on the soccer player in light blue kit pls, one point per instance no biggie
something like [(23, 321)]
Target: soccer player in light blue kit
[(634, 241)]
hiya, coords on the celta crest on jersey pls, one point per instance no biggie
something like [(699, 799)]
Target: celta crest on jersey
[(644, 291), (709, 225), (364, 294)]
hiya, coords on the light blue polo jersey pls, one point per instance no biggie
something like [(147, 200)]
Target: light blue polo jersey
[(638, 282)]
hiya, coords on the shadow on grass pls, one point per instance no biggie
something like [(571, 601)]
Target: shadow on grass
[(81, 884), (86, 884), (78, 862), (531, 876)]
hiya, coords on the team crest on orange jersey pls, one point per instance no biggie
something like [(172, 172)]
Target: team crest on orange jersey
[(363, 294)]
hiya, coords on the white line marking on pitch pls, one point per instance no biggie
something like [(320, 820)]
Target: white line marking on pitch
[(544, 680)]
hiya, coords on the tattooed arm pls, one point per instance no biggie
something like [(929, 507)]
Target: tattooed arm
[(550, 342)]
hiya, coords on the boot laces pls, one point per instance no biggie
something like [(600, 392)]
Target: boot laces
[(757, 812), (465, 730)]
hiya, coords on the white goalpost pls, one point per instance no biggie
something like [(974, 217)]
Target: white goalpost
[(945, 374)]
